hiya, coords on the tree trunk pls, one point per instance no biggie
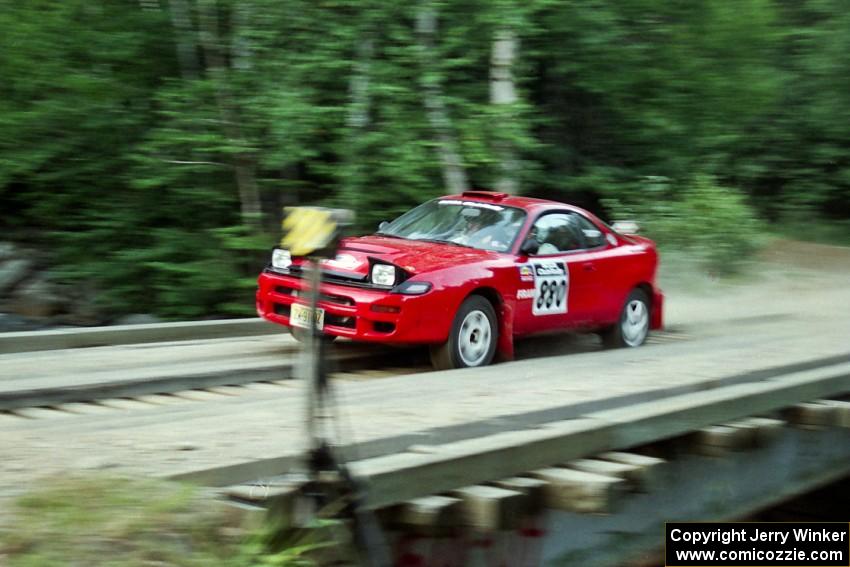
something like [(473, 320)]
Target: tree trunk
[(454, 175), (242, 161), (358, 87), (503, 94), (149, 5), (358, 121), (181, 22)]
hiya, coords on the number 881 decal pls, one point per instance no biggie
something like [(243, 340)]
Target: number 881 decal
[(551, 288)]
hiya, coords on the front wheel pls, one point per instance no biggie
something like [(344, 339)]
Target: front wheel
[(633, 327), (472, 339)]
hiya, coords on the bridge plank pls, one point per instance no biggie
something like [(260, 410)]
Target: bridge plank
[(42, 413), (761, 430), (811, 415), (429, 515), (534, 490), (635, 476), (578, 491), (490, 508), (720, 440), (124, 404), (277, 498), (842, 411)]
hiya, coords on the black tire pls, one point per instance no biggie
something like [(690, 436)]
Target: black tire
[(623, 333), (300, 335), (450, 355)]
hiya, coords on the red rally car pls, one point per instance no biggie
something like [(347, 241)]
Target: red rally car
[(466, 274)]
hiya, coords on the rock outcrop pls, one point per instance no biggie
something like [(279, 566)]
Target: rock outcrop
[(30, 298)]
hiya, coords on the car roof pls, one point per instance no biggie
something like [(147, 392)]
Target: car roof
[(530, 204)]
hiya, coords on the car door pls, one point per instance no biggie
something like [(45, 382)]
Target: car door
[(557, 283), (605, 281)]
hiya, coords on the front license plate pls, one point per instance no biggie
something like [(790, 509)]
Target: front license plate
[(300, 316)]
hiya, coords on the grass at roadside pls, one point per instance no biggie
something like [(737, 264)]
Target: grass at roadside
[(111, 522)]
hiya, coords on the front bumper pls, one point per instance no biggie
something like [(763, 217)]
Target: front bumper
[(357, 313)]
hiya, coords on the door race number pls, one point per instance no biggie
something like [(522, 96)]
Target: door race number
[(551, 288)]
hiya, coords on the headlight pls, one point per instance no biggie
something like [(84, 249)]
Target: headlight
[(383, 274), (413, 288), (281, 259)]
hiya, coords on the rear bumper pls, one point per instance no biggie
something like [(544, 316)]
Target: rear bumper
[(356, 313)]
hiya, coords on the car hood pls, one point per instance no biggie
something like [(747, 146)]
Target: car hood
[(413, 256)]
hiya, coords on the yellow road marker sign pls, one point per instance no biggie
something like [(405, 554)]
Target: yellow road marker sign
[(307, 230)]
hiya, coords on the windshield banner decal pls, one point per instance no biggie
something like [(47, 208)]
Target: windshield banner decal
[(472, 204)]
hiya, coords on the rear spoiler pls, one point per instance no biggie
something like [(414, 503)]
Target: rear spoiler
[(491, 195)]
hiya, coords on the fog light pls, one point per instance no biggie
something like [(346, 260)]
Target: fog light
[(385, 309)]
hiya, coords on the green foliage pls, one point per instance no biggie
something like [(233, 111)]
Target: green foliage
[(150, 147), (813, 228), (713, 224)]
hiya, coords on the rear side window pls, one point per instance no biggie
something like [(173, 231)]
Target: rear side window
[(557, 232), (593, 237), (565, 232)]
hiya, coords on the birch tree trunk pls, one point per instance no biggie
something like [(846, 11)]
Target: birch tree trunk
[(358, 87), (503, 94), (149, 5), (358, 120), (454, 175), (242, 161)]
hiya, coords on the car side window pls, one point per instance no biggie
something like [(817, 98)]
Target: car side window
[(593, 237), (557, 232)]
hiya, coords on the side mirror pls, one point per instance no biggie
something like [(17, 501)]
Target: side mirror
[(530, 246), (383, 225)]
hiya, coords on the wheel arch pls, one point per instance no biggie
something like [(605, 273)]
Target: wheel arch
[(490, 294), (505, 319), (648, 290), (656, 304)]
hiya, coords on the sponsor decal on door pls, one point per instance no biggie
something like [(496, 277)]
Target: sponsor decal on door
[(551, 288)]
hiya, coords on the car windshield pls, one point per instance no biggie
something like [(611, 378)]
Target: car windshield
[(466, 223)]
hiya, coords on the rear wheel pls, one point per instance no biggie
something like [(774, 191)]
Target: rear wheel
[(472, 339), (633, 327)]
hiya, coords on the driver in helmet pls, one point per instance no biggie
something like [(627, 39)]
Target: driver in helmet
[(483, 231)]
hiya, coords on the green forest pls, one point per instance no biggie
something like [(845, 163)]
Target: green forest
[(147, 148)]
